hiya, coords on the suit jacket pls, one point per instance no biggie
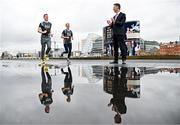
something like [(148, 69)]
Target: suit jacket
[(118, 26)]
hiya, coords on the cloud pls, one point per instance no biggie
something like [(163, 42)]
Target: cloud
[(18, 25)]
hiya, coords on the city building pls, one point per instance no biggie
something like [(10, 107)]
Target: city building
[(97, 47), (171, 48), (132, 29), (6, 55), (149, 46), (27, 55), (92, 74), (57, 52), (87, 44), (98, 71)]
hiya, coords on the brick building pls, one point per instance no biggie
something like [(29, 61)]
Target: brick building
[(171, 48)]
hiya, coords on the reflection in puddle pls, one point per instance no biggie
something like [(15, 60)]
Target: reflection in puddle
[(121, 82), (68, 87), (46, 87), (89, 94)]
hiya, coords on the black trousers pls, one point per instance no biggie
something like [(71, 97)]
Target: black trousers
[(68, 48), (119, 42)]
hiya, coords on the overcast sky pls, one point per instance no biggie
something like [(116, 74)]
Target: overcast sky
[(20, 18)]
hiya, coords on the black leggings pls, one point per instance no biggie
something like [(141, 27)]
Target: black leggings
[(68, 48)]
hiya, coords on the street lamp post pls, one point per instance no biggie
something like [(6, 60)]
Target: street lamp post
[(54, 48)]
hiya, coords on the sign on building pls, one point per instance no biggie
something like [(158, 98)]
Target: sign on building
[(132, 29)]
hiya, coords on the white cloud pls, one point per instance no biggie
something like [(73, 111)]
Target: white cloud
[(159, 19)]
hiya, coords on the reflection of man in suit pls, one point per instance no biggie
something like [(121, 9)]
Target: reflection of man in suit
[(68, 88), (46, 86), (119, 90), (119, 35)]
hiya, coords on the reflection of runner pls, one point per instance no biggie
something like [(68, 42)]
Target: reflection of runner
[(45, 30), (67, 36), (68, 88), (46, 86)]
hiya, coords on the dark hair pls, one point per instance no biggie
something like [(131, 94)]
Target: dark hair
[(118, 5), (45, 15), (117, 119)]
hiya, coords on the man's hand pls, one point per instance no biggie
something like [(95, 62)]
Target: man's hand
[(41, 95), (67, 37), (109, 22), (40, 30), (43, 32), (109, 104)]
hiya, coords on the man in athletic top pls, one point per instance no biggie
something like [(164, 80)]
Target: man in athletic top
[(67, 36), (45, 30)]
